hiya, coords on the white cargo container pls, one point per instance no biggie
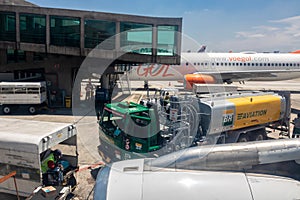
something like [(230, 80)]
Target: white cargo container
[(213, 88), (29, 94), (23, 143)]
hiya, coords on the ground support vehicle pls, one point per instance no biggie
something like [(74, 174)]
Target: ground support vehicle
[(129, 130), (24, 145), (31, 95)]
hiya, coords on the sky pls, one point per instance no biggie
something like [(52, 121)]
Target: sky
[(221, 25)]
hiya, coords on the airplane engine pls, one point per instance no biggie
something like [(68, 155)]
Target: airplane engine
[(255, 170), (190, 79)]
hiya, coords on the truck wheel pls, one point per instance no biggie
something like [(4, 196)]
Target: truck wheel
[(260, 136), (243, 138), (6, 110), (31, 110)]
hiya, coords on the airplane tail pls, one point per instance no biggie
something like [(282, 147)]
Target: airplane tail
[(202, 49)]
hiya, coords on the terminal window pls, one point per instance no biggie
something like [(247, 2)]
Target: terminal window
[(15, 56), (32, 28), (136, 38), (65, 31), (167, 40), (7, 26), (97, 31)]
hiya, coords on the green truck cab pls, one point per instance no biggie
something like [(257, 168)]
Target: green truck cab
[(128, 130)]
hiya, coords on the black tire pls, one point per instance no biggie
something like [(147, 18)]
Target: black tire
[(243, 138), (258, 135), (6, 110), (32, 110)]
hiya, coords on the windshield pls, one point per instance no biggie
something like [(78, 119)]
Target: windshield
[(111, 120)]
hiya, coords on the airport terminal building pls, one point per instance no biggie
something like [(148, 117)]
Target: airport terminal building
[(50, 44)]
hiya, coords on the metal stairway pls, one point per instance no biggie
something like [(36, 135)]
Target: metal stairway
[(124, 83)]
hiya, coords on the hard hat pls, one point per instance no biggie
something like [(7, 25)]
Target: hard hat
[(51, 164)]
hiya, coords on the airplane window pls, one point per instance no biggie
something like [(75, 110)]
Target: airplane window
[(287, 64), (283, 64), (256, 64), (241, 64), (272, 64), (260, 64), (187, 64), (225, 64), (276, 64), (279, 64), (252, 64), (294, 64), (217, 64), (245, 64), (249, 64), (195, 64), (298, 64), (212, 64), (291, 64), (229, 64), (233, 64), (221, 64), (265, 64)]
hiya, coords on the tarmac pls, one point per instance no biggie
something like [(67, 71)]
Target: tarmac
[(86, 122)]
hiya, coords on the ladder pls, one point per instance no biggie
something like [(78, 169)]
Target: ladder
[(125, 83)]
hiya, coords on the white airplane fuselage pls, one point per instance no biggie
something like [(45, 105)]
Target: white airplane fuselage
[(228, 66)]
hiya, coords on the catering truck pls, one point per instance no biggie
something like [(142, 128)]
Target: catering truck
[(30, 95), (24, 147), (129, 130)]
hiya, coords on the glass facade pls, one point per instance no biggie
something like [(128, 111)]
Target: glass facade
[(97, 31), (65, 31), (33, 28), (136, 38), (7, 26), (166, 40), (15, 56), (76, 30)]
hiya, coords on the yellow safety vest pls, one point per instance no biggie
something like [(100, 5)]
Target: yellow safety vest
[(44, 164)]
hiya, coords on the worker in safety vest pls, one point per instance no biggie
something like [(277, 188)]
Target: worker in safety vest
[(50, 160)]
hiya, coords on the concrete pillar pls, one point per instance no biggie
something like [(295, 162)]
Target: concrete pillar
[(104, 81), (117, 38), (29, 56), (18, 30), (47, 33), (154, 43), (82, 35), (3, 56)]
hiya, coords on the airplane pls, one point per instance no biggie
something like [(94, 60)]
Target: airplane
[(222, 68), (256, 170)]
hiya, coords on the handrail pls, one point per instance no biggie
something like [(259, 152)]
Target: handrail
[(8, 176)]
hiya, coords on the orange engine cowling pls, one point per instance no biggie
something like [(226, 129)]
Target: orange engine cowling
[(191, 79), (296, 52)]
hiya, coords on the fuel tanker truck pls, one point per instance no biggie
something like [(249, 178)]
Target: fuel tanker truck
[(129, 130)]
